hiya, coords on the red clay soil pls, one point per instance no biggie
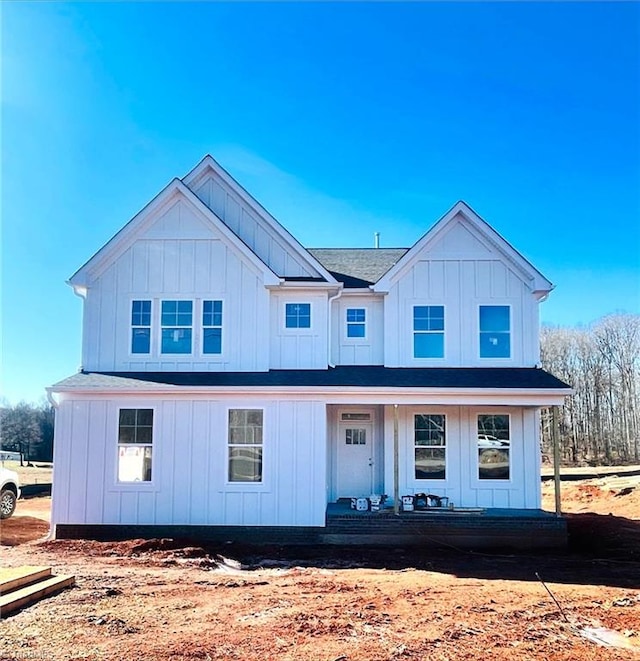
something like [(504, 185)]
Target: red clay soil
[(170, 600)]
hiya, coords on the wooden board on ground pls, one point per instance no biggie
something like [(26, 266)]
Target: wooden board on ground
[(23, 586)]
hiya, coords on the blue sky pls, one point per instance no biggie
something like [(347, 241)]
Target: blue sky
[(342, 119)]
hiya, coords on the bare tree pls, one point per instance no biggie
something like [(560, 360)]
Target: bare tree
[(601, 422)]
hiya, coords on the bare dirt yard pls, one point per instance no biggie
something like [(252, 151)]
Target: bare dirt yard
[(163, 599)]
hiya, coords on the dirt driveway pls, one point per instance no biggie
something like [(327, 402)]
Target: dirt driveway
[(160, 599)]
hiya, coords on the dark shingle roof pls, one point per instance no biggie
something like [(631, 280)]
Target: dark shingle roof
[(357, 267), (365, 376)]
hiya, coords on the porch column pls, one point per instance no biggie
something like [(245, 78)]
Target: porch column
[(396, 471), (556, 459)]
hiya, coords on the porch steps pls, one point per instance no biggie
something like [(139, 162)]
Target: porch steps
[(23, 586)]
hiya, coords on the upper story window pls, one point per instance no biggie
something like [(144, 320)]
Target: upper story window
[(135, 443), (177, 326), (428, 331), (495, 331), (211, 326), (494, 447), (356, 322), (430, 441), (140, 326), (245, 445), (297, 315)]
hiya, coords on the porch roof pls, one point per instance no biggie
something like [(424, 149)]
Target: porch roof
[(351, 376)]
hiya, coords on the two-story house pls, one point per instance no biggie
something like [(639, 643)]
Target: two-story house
[(233, 381)]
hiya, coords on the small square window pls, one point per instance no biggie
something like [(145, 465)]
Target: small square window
[(298, 315)]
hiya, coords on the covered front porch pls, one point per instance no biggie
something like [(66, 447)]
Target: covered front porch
[(476, 456)]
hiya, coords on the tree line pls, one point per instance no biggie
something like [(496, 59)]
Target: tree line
[(600, 424), (28, 429)]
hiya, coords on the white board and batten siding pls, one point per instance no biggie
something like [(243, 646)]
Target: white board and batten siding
[(298, 348), (189, 471), (249, 225), (199, 265), (461, 273), (462, 485), (367, 350)]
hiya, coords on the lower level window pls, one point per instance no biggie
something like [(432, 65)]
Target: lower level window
[(135, 444), (430, 447), (245, 445), (494, 447)]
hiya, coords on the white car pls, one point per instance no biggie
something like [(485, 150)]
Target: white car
[(487, 441), (9, 492)]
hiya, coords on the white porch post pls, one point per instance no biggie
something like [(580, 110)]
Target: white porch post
[(556, 460), (396, 471)]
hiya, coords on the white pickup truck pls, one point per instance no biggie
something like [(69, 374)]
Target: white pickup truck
[(9, 492)]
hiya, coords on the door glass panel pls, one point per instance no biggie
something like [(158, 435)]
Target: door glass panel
[(356, 436)]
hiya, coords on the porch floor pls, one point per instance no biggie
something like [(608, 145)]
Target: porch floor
[(342, 509), (458, 528)]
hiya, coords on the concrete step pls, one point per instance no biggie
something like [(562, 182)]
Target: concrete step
[(12, 578), (25, 596)]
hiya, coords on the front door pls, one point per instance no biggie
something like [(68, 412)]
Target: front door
[(355, 459)]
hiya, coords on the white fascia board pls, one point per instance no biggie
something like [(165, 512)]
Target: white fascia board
[(302, 286), (362, 291), (127, 235), (208, 162), (337, 394), (537, 281)]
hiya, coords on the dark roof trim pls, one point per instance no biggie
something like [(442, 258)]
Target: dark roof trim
[(369, 376)]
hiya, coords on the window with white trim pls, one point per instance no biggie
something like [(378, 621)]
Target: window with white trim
[(494, 446), (356, 322), (428, 331), (140, 326), (297, 315), (495, 331), (245, 445), (176, 326), (135, 445), (430, 446), (211, 327)]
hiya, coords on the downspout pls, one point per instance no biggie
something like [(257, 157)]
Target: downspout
[(329, 338), (556, 460), (396, 470)]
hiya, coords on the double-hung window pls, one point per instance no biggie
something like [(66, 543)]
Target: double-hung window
[(297, 315), (177, 326), (494, 447), (356, 322), (430, 446), (140, 326), (245, 445), (428, 331), (211, 326), (495, 331), (135, 444)]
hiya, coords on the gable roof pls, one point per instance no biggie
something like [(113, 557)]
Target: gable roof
[(358, 267), (482, 230), (144, 218), (209, 164)]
